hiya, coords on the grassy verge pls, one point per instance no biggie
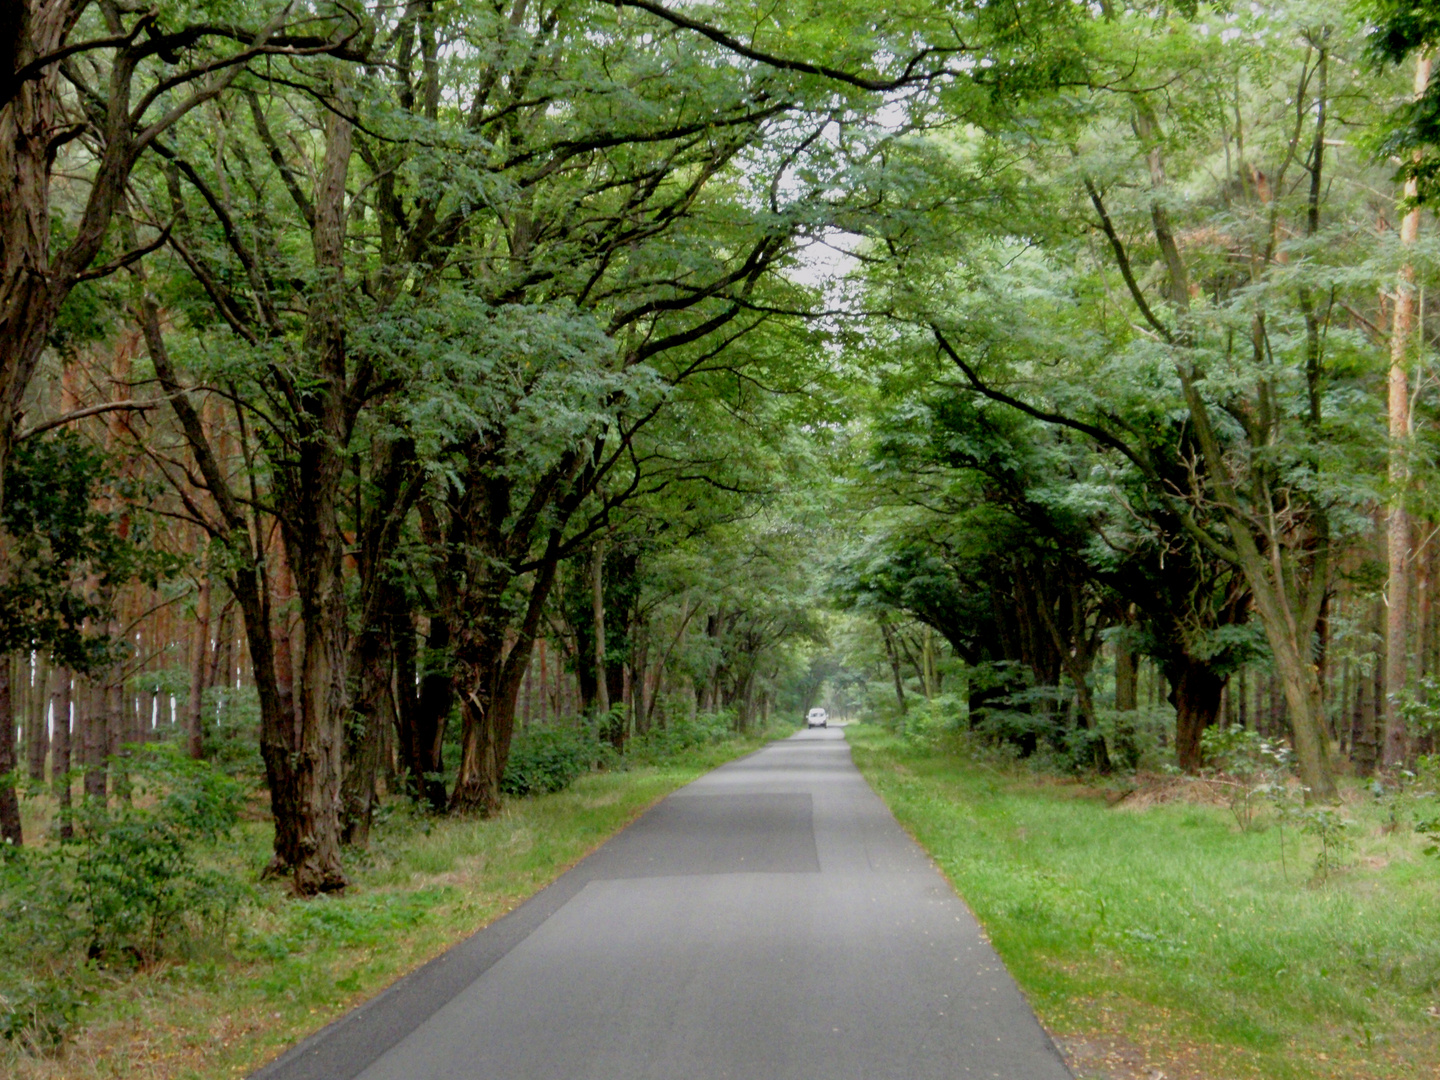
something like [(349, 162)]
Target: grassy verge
[(288, 968), (1161, 936)]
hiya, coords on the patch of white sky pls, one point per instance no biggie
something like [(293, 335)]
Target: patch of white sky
[(826, 260)]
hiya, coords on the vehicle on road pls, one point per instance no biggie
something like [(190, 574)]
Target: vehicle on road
[(816, 718)]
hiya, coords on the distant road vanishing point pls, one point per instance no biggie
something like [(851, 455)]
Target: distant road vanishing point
[(771, 921)]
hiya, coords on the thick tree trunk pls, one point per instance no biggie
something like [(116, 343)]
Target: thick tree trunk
[(888, 635), (1195, 691), (1126, 686), (489, 684), (422, 738), (272, 666), (373, 715), (27, 125), (1302, 695), (9, 798)]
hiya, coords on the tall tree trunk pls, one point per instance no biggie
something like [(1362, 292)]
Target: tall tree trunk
[(423, 747), (1398, 540), (888, 636), (60, 751), (9, 798), (92, 739), (597, 586), (372, 715), (199, 653), (37, 730)]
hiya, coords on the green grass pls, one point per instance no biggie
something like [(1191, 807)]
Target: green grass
[(1164, 925), (289, 967)]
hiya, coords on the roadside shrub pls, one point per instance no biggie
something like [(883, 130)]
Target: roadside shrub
[(549, 759), (119, 893), (681, 734), (41, 931), (136, 873)]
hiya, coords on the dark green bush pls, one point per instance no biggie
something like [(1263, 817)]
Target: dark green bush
[(682, 734), (549, 759)]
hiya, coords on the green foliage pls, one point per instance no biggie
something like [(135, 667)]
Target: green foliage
[(546, 759), (1334, 831), (680, 735), (1399, 29), (136, 874), (64, 556), (1254, 769), (37, 1013), (118, 895)]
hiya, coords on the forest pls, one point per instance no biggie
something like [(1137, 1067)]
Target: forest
[(410, 405)]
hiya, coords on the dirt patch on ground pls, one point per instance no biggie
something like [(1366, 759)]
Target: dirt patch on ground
[(1154, 789), (1104, 1057)]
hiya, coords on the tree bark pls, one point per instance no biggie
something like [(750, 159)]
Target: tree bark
[(9, 798), (888, 635), (422, 746), (37, 731), (60, 751), (489, 683), (1398, 538), (199, 652), (597, 586), (1126, 686), (1195, 692)]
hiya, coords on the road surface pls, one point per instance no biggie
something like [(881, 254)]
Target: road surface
[(771, 921)]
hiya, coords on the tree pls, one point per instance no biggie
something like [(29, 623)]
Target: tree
[(62, 557), (87, 87)]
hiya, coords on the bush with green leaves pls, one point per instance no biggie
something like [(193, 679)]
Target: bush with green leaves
[(545, 759), (136, 874), (42, 932), (125, 891)]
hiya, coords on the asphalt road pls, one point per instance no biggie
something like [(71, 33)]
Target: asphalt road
[(770, 921)]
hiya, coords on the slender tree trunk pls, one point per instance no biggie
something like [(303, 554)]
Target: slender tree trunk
[(113, 698), (1397, 649), (199, 652), (37, 730), (60, 751), (927, 658), (597, 585), (9, 798)]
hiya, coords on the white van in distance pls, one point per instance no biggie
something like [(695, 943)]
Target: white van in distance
[(816, 718)]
